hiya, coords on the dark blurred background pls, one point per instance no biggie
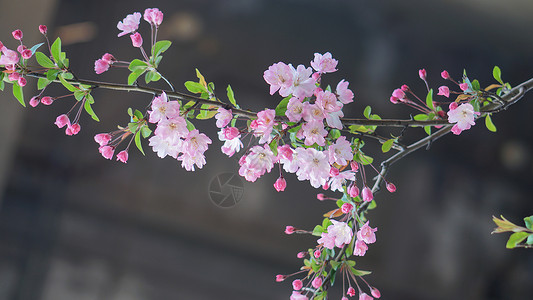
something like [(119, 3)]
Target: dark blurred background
[(76, 226)]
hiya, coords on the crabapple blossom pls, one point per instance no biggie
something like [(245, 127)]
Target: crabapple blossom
[(314, 132), (366, 234), (122, 156), (391, 187), (295, 109), (344, 94), (444, 74), (22, 81), (280, 278), (9, 57), (189, 159), (153, 16), (231, 132), (324, 63), (367, 194), (350, 292), (280, 77), (223, 117), (297, 284), (334, 172), (353, 191), (289, 229), (264, 124), (62, 121), (339, 233), (444, 91), (102, 138), (17, 34), (13, 76), (298, 296), (317, 254), (359, 248), (107, 151), (317, 282), (313, 165), (336, 182), (463, 115), (260, 159), (73, 129), (47, 100), (195, 142), (422, 74), (280, 184), (230, 146), (463, 86), (100, 66), (136, 40), (285, 152), (172, 127), (129, 24), (43, 29), (163, 109), (26, 54), (364, 296), (34, 101), (328, 101), (313, 112), (303, 84), (164, 147), (346, 208), (340, 152), (398, 93)]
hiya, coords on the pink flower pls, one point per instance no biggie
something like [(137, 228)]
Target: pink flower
[(21, 48), (43, 29), (136, 40), (280, 77), (260, 159), (108, 58), (107, 151), (163, 109), (280, 184), (366, 234), (196, 142), (17, 34), (339, 233), (231, 132), (21, 81), (303, 84), (317, 254), (422, 74), (13, 76), (285, 152), (73, 129), (464, 86), (301, 254), (344, 94), (129, 24), (353, 191), (27, 54), (364, 296), (398, 93), (153, 16), (100, 66), (340, 152), (230, 146), (164, 147), (314, 166), (289, 229), (405, 88), (297, 284), (355, 166), (338, 181), (297, 296), (317, 282), (444, 91), (62, 121), (350, 292), (367, 194), (375, 292), (34, 101), (444, 74), (391, 187), (328, 101), (463, 115), (223, 117), (324, 63), (280, 278), (264, 125), (175, 127), (313, 112), (346, 208), (314, 132), (102, 138), (47, 100), (295, 109), (9, 57), (394, 100), (359, 248), (122, 156)]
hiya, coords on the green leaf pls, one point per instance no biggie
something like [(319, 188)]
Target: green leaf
[(274, 146), (42, 83), (44, 61), (530, 239), (90, 111), (130, 112), (367, 112), (56, 50), (515, 239), (161, 47), (231, 96), (282, 106), (190, 126), (372, 205), (475, 85), (360, 272), (2, 85), (17, 92), (387, 145), (148, 77), (137, 64), (52, 74), (317, 231), (497, 74), (138, 114), (427, 129), (34, 48), (138, 142), (421, 117), (429, 100), (132, 126), (145, 131), (195, 87), (134, 75), (79, 95), (489, 124), (529, 222), (334, 264), (67, 84), (334, 134)]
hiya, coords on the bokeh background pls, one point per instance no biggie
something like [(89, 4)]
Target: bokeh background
[(76, 226)]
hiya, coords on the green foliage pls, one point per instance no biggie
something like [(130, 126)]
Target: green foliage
[(17, 92), (231, 97), (160, 47), (282, 106), (497, 74), (429, 100), (516, 238), (489, 124), (387, 145), (44, 61)]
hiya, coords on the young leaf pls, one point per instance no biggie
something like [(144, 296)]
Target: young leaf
[(161, 47), (195, 87), (497, 74), (134, 75), (360, 272), (56, 50), (42, 83), (137, 64), (387, 145), (429, 100), (68, 85), (367, 112), (145, 131), (317, 231), (34, 48), (282, 106), (231, 97), (489, 124), (44, 61), (201, 77), (90, 111), (138, 142), (190, 126), (529, 222), (427, 129), (17, 92), (515, 239), (421, 117)]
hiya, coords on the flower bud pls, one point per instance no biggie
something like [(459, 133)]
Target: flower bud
[(375, 292), (107, 151), (364, 296), (317, 254), (230, 133), (280, 184), (367, 194), (21, 81), (464, 86), (73, 129), (297, 284), (289, 229), (26, 54), (317, 282), (334, 172), (391, 187), (47, 100), (34, 101), (398, 93), (444, 74), (17, 34), (355, 166), (43, 29), (280, 278), (321, 197), (62, 121), (350, 292), (102, 138), (301, 254), (353, 191), (405, 88), (346, 208), (422, 74), (122, 156), (136, 40)]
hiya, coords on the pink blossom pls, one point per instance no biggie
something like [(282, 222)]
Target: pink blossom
[(353, 191), (444, 74), (314, 132), (223, 117), (360, 248), (43, 29), (47, 100), (405, 88), (264, 125), (260, 159), (175, 127), (102, 138), (17, 34), (107, 151), (313, 112), (297, 296), (62, 121), (301, 254), (295, 109), (73, 129), (289, 229), (344, 298), (463, 86), (337, 182), (313, 165), (350, 292), (190, 159), (398, 93), (334, 172), (366, 234), (444, 91), (13, 76), (136, 40), (391, 187), (34, 101), (27, 54), (164, 147), (280, 77), (422, 74), (196, 142), (280, 278), (355, 166), (344, 94), (324, 63), (463, 115), (285, 152), (21, 81), (303, 84), (367, 194), (321, 197), (153, 16), (375, 293), (231, 132), (9, 57), (394, 100), (163, 109), (317, 254), (100, 66), (339, 233), (346, 208), (21, 48), (129, 24), (280, 184), (364, 296), (328, 101), (230, 146), (108, 58), (340, 152), (297, 284), (317, 282), (122, 156)]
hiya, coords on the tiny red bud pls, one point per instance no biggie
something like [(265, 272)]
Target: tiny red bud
[(43, 29), (17, 34), (289, 230), (321, 197), (422, 74), (391, 187), (444, 74), (280, 278)]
